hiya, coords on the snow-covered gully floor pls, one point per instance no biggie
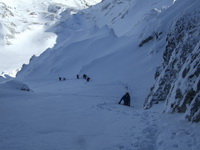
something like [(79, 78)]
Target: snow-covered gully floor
[(75, 115)]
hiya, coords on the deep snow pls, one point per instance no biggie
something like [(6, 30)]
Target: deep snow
[(79, 115), (75, 114)]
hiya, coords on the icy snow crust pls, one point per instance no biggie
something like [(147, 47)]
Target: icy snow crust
[(79, 115)]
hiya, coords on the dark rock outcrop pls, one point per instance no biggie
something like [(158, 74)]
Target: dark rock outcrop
[(178, 78)]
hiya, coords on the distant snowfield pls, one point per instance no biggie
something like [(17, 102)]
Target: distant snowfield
[(25, 22), (32, 41), (70, 3), (76, 115)]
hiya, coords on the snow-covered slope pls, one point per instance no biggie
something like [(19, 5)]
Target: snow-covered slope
[(128, 17), (77, 115), (23, 26), (117, 41), (120, 49), (100, 42)]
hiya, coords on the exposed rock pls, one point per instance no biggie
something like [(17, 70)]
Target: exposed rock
[(194, 113), (177, 79), (145, 41)]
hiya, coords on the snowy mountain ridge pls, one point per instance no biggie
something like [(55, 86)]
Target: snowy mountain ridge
[(84, 31), (147, 48), (126, 17), (23, 26)]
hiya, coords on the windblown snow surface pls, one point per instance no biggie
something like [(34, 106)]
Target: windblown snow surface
[(108, 42)]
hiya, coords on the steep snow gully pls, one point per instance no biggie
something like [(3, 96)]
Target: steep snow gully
[(147, 48)]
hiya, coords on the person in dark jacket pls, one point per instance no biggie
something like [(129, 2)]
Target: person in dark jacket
[(77, 76), (88, 79), (84, 76), (126, 98)]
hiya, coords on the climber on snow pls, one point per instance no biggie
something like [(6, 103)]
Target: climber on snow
[(126, 98), (84, 76)]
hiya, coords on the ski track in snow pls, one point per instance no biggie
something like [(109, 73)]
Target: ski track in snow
[(76, 115)]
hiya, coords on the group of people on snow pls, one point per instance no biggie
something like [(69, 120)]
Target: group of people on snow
[(125, 98), (87, 78), (84, 77), (62, 78)]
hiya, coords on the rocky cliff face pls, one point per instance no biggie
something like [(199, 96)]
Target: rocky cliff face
[(178, 78)]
